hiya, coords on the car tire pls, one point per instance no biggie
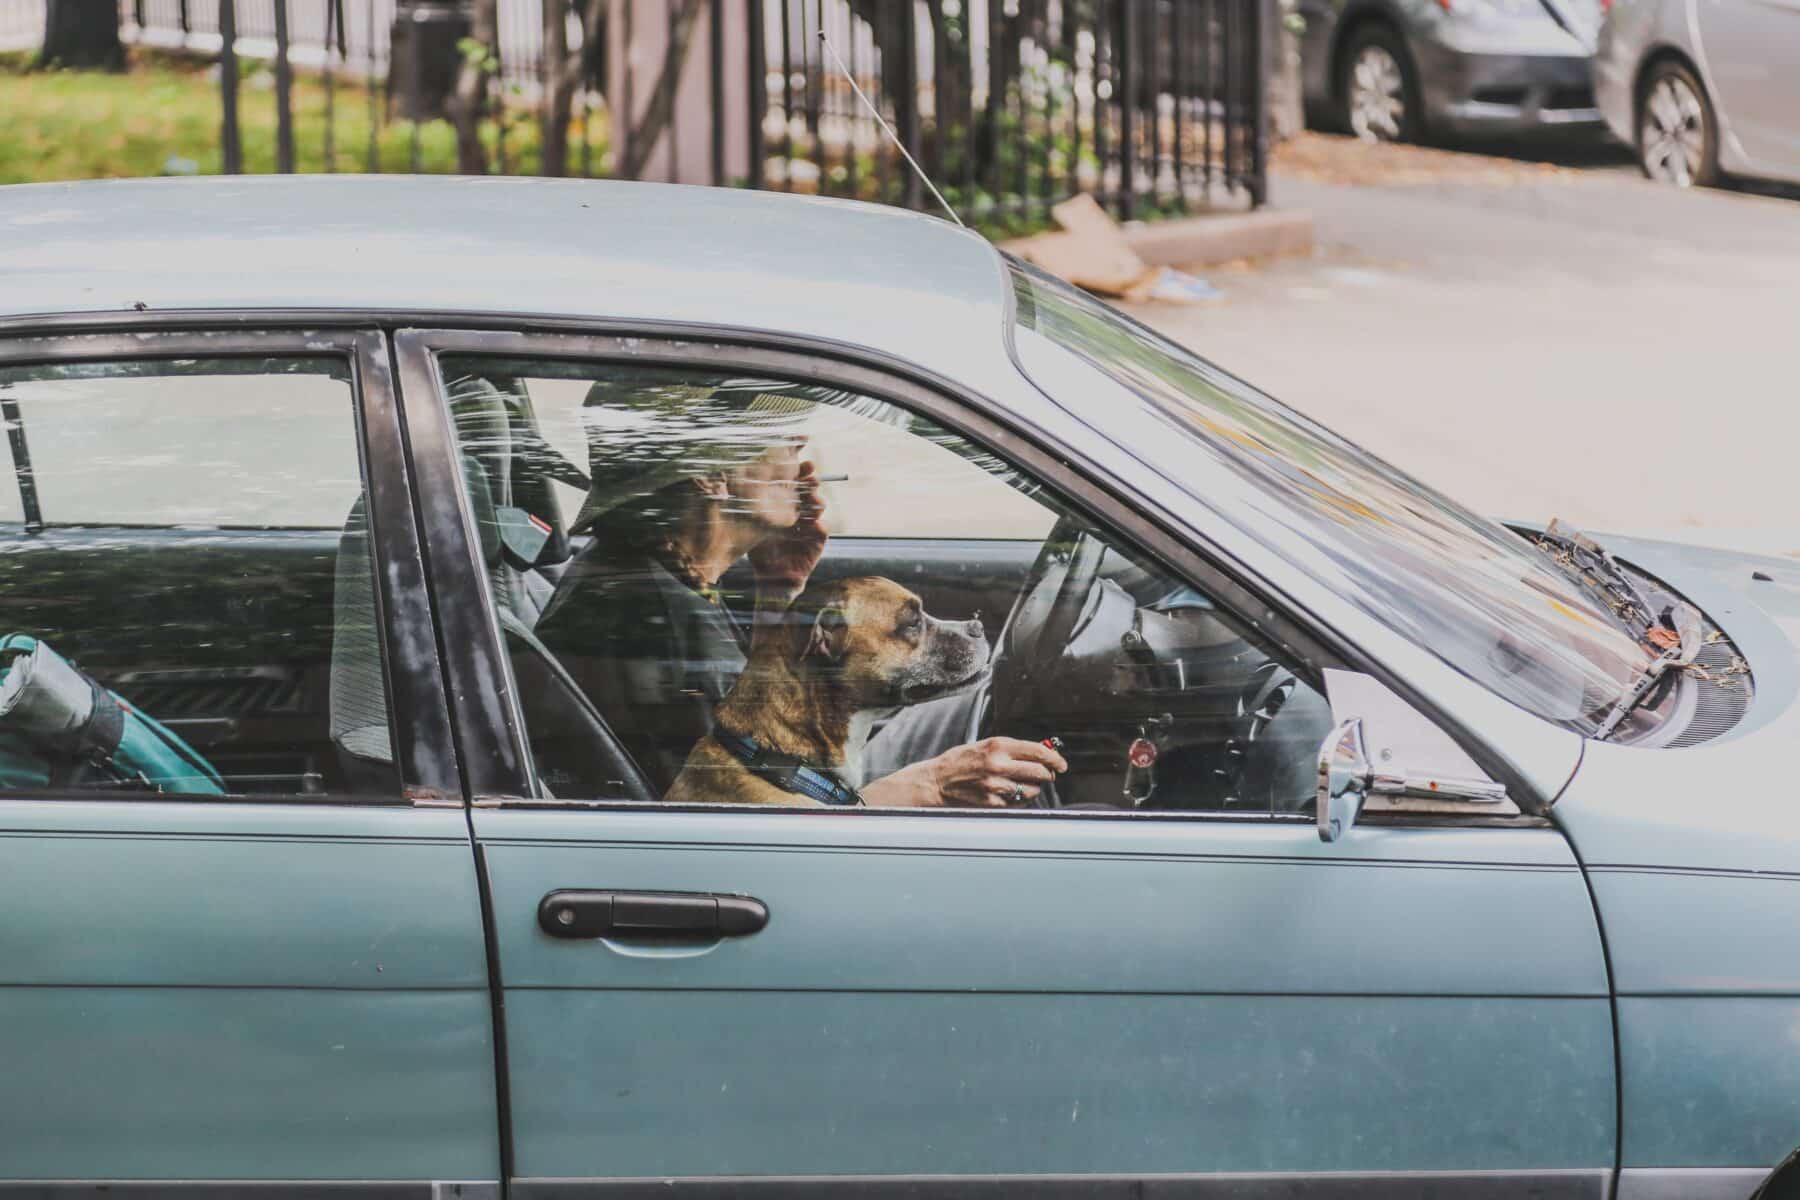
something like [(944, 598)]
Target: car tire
[(1677, 130), (1378, 90)]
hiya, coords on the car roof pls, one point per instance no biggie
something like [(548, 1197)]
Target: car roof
[(902, 282)]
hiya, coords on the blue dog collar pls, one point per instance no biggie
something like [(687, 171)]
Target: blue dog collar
[(787, 772)]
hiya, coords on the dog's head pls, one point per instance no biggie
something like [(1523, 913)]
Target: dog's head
[(874, 638)]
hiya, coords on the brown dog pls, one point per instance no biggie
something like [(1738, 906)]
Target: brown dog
[(816, 676)]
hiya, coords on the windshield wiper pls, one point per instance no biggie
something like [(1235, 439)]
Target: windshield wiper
[(1685, 621), (1668, 624), (1594, 566)]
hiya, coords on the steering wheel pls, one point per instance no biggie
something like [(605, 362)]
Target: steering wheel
[(1041, 622), (1279, 724)]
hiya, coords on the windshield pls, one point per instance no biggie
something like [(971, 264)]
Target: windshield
[(1481, 597)]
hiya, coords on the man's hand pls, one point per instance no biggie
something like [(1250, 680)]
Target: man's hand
[(985, 774), (784, 561)]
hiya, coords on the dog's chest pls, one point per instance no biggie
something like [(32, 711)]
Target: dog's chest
[(852, 770)]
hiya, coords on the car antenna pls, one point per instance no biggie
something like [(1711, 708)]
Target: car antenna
[(876, 113)]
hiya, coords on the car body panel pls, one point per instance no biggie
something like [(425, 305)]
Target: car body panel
[(1694, 860), (1751, 48), (1471, 91), (1742, 51), (1754, 599), (1065, 1027), (1725, 1099), (1475, 76), (592, 250), (243, 991)]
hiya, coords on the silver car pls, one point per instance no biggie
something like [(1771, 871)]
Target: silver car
[(1703, 88), (1391, 70)]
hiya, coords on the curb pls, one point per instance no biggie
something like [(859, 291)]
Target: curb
[(1222, 237)]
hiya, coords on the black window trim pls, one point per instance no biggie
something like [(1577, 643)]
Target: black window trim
[(418, 710)]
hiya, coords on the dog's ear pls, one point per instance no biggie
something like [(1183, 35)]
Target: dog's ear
[(830, 631)]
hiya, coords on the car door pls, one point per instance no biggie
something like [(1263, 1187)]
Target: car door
[(1192, 994), (1749, 47), (242, 943)]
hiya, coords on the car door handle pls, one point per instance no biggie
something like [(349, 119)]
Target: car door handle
[(581, 913)]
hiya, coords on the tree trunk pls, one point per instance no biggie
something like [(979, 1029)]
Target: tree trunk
[(564, 71), (467, 99), (82, 33), (631, 161)]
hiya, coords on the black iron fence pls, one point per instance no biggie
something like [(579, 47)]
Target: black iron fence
[(1153, 106), (1013, 105)]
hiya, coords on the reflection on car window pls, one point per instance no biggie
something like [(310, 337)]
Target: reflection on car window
[(1477, 594), (186, 601), (779, 593)]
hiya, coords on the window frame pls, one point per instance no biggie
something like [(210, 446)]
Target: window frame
[(488, 719), (418, 709)]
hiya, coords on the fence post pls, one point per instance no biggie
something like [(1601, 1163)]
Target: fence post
[(1125, 90), (715, 22), (757, 75), (1266, 39), (284, 94), (232, 145), (334, 19), (906, 105)]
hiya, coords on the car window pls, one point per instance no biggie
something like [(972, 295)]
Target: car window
[(785, 593), (186, 599)]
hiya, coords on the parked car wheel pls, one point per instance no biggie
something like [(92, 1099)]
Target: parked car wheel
[(1677, 131), (1378, 90)]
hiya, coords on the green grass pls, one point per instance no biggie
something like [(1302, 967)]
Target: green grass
[(98, 125)]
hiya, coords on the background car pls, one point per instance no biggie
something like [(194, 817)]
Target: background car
[(1400, 851), (1703, 88), (1395, 70)]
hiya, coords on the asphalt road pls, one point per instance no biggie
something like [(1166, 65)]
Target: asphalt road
[(1579, 344)]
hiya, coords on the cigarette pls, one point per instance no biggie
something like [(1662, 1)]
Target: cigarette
[(831, 478)]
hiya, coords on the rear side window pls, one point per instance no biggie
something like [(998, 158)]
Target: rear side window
[(186, 581)]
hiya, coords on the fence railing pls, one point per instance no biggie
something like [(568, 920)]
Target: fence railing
[(1154, 106)]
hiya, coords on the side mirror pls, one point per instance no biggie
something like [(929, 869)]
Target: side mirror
[(1416, 768), (1344, 775)]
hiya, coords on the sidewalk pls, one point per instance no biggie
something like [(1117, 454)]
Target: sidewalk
[(1538, 344)]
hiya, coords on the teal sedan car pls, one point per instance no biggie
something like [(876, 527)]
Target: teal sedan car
[(551, 689)]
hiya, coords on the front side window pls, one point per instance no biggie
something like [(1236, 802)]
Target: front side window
[(783, 593), (1483, 598), (186, 600)]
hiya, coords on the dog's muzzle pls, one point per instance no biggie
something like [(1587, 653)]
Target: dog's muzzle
[(953, 655)]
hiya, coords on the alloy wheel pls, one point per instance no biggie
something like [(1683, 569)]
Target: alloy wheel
[(1377, 96), (1672, 132)]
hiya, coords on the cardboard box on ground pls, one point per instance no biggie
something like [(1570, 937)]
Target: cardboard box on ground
[(1092, 253)]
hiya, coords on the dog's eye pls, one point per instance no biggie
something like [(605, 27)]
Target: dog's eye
[(911, 626)]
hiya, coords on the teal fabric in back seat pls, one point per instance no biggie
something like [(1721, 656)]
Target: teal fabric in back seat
[(59, 728)]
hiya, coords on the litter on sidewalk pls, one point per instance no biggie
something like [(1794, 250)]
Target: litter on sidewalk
[(1169, 286), (1092, 252)]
